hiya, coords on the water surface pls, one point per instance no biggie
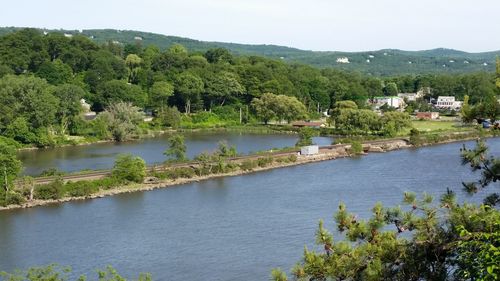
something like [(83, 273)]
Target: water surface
[(102, 155), (233, 228)]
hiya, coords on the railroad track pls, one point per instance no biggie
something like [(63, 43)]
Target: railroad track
[(163, 167)]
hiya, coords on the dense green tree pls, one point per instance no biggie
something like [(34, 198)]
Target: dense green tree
[(28, 97), (394, 122), (118, 91), (69, 107), (263, 107), (55, 72), (23, 51), (19, 130), (357, 121), (188, 88), (218, 55), (270, 106), (176, 148), (129, 168), (57, 44), (374, 87), (489, 108), (133, 63), (391, 89), (222, 87), (174, 58), (305, 136), (466, 111), (289, 108), (160, 93), (10, 167)]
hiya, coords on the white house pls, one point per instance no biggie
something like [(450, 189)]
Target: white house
[(392, 101), (412, 96), (343, 60), (448, 102)]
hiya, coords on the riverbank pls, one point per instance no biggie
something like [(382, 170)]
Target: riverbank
[(281, 160), (274, 162)]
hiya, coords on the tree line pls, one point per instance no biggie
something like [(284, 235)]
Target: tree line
[(43, 77)]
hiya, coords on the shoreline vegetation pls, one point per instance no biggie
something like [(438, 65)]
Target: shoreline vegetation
[(188, 172)]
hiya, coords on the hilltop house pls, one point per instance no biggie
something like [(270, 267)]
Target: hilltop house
[(343, 60)]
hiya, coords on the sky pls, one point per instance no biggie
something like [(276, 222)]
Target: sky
[(319, 25)]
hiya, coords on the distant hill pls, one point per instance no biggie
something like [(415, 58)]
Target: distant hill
[(380, 63)]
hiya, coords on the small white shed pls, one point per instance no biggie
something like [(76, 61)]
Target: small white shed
[(309, 150)]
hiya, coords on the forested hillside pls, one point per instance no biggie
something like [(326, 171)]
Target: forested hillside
[(377, 63), (43, 77)]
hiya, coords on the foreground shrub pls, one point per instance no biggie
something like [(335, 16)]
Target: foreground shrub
[(55, 272)]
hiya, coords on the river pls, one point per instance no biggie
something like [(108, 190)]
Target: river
[(233, 228), (102, 155)]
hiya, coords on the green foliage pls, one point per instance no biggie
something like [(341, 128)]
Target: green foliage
[(34, 111), (177, 148), (116, 91), (479, 252), (264, 161), (248, 165), (356, 148), (120, 120), (394, 122), (10, 166), (170, 117), (305, 136), (188, 88), (160, 93), (50, 191), (55, 272), (466, 111), (129, 168), (279, 107), (350, 120), (478, 159), (445, 241), (81, 188), (55, 72)]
